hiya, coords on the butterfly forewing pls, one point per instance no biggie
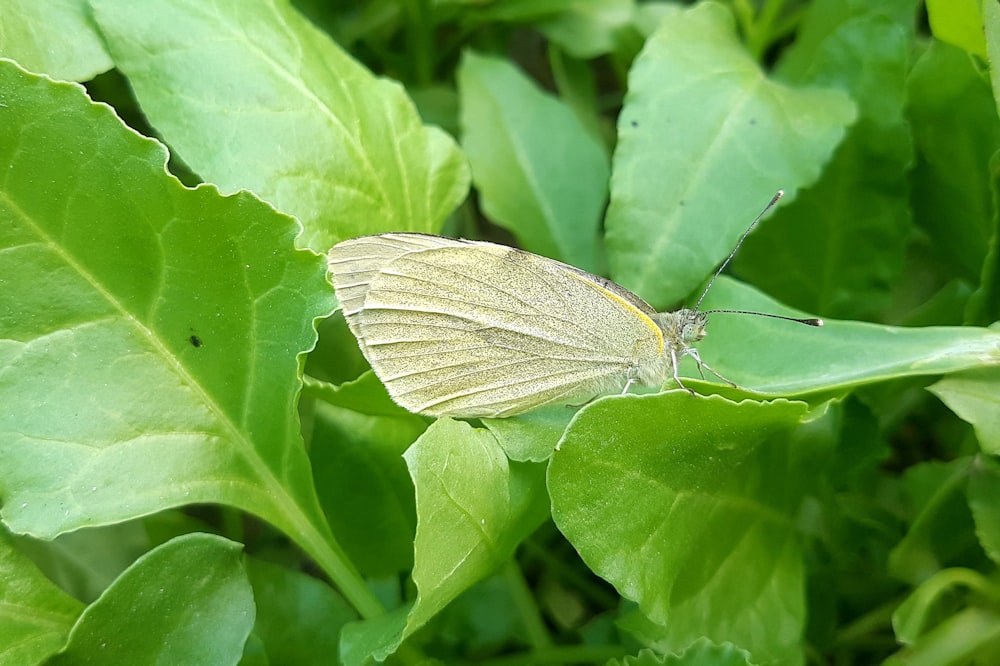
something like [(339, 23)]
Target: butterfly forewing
[(467, 328)]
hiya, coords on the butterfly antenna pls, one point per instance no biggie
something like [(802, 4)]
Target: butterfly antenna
[(809, 321), (769, 206)]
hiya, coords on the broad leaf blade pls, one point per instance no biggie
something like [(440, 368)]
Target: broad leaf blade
[(153, 334), (704, 141), (539, 172), (57, 38), (686, 505), (473, 508), (784, 358), (202, 611), (300, 122)]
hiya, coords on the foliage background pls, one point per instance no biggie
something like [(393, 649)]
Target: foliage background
[(190, 473)]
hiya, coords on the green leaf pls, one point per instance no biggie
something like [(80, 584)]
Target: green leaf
[(55, 38), (37, 615), (954, 121), (152, 335), (687, 505), (701, 653), (839, 247), (991, 28), (914, 616), (363, 485), (958, 22), (704, 140), (201, 612), (531, 436), (939, 520), (589, 28), (298, 617), (473, 509), (984, 501), (85, 562), (539, 172), (971, 636), (975, 396), (253, 96), (783, 358)]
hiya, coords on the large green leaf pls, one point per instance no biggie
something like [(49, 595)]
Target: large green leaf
[(784, 358), (253, 96), (704, 140), (201, 613), (57, 38), (687, 506), (539, 173), (151, 336)]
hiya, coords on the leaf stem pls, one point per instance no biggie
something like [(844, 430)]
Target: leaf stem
[(323, 548), (420, 30)]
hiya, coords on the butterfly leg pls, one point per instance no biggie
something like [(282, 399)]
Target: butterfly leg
[(677, 378), (693, 353)]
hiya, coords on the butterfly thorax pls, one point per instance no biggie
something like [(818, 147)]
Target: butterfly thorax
[(681, 330)]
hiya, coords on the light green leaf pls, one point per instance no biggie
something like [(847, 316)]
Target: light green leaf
[(56, 37), (539, 172), (783, 358), (201, 612), (152, 335), (704, 141), (958, 22), (970, 636), (473, 509), (975, 396), (253, 96), (37, 615), (991, 28), (589, 28), (914, 616), (298, 617), (687, 505)]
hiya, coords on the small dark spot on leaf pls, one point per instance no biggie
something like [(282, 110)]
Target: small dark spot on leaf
[(195, 341), (753, 121), (635, 123)]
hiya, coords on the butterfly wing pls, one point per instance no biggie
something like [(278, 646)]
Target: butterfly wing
[(464, 328)]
